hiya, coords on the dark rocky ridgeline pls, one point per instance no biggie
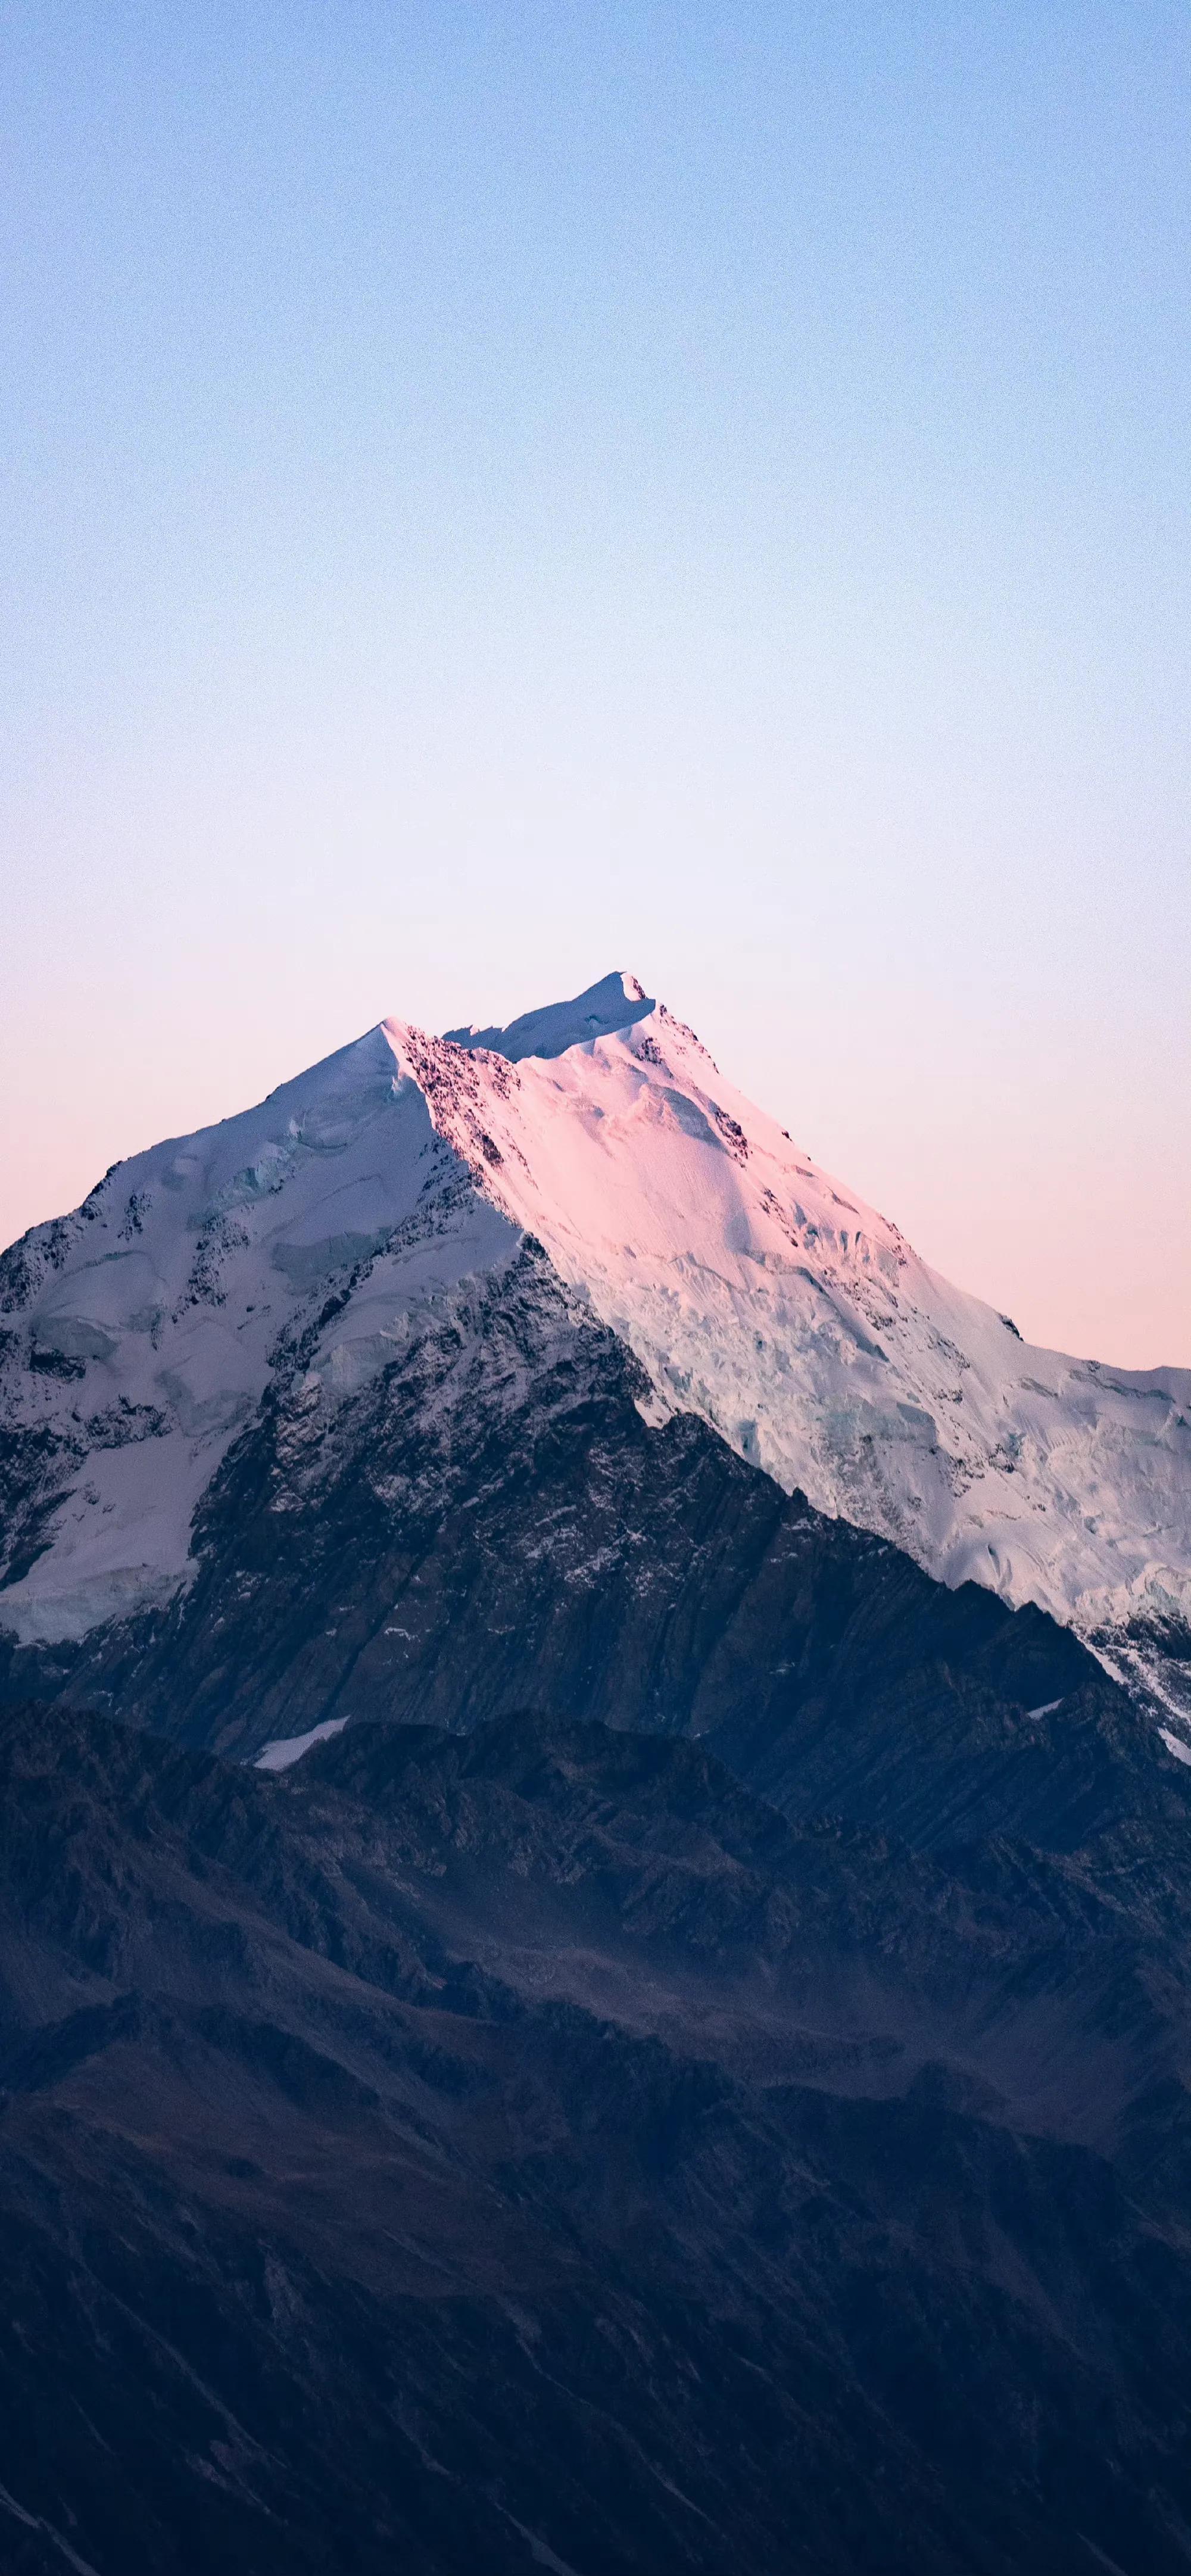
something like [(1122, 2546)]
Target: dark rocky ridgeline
[(491, 1524), (737, 2122), (527, 2149)]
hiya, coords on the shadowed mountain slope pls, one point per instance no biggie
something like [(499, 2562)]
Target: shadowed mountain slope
[(493, 1524), (678, 2061), (528, 2149)]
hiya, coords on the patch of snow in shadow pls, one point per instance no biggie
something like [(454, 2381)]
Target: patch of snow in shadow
[(285, 1749)]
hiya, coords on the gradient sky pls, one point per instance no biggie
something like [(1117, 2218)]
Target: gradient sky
[(491, 493)]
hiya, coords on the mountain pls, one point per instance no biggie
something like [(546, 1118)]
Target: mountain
[(594, 1865), (525, 2149), (273, 1390)]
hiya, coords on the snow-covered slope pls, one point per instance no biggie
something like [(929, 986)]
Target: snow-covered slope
[(767, 1297), (139, 1335), (757, 1292)]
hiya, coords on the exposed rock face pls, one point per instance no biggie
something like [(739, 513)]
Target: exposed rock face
[(526, 2149), (491, 1523)]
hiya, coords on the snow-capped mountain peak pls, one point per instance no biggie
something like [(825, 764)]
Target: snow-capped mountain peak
[(315, 1233), (762, 1294)]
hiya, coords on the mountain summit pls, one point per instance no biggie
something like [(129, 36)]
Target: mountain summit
[(300, 1257), (616, 1003)]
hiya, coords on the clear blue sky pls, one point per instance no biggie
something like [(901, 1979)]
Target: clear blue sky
[(495, 492)]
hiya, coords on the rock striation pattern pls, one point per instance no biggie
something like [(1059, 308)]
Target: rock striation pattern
[(528, 2149)]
